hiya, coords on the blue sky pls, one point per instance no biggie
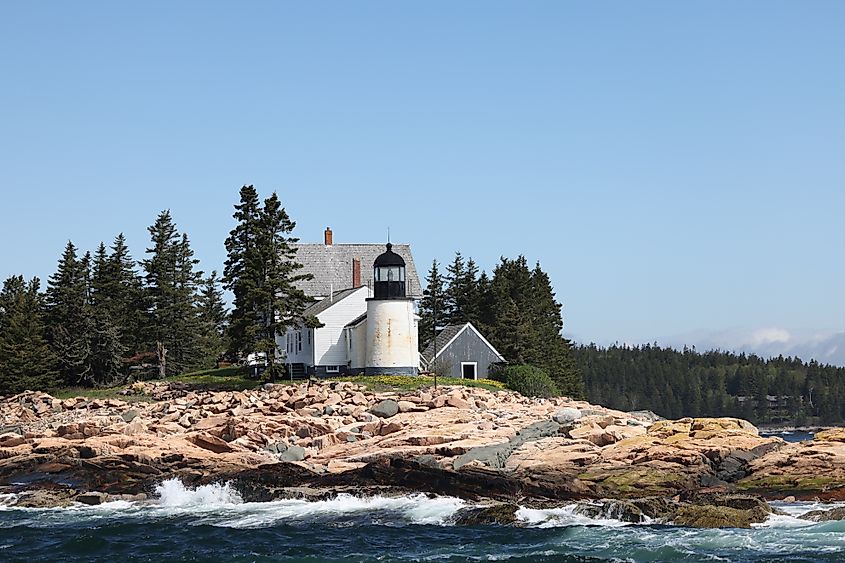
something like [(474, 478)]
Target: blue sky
[(677, 167)]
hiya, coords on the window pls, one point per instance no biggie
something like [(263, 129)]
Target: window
[(309, 338), (299, 341), (469, 370), (332, 369)]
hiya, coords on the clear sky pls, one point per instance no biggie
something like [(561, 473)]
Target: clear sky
[(677, 167)]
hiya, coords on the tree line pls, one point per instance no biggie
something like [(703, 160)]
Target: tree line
[(677, 383), (515, 309), (105, 315)]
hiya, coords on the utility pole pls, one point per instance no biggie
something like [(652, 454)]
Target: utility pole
[(434, 329)]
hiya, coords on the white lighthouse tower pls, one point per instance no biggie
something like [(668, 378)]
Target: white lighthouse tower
[(392, 347)]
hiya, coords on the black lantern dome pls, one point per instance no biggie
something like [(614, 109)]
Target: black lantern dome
[(389, 275)]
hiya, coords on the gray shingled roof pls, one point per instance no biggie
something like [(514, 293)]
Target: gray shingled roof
[(320, 306), (331, 266), (443, 337)]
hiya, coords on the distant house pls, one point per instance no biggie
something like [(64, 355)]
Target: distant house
[(462, 352)]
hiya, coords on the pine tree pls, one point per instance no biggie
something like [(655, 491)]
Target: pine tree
[(262, 272), (67, 300), (85, 338), (463, 292), (212, 315), (243, 272), (550, 349), (525, 322), (26, 360), (452, 302), (170, 283), (122, 296), (431, 305), (280, 304)]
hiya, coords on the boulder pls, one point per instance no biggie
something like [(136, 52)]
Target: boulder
[(498, 514), (92, 498), (722, 511), (210, 443), (458, 403), (292, 453), (385, 409), (566, 416), (129, 415), (837, 513)]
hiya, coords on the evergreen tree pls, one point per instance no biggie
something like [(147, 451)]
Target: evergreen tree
[(84, 338), (431, 305), (26, 360), (463, 295), (243, 272), (453, 312), (526, 322), (279, 303), (262, 272), (123, 297), (67, 300), (212, 315), (170, 286)]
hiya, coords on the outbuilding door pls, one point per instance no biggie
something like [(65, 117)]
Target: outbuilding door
[(469, 370)]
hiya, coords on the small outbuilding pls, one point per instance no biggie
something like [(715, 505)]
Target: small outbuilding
[(461, 352)]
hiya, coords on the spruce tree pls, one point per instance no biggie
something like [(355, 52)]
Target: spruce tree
[(526, 322), (452, 302), (212, 315), (431, 305), (463, 295), (122, 295), (170, 283), (26, 360), (262, 272), (280, 303), (243, 271), (67, 300)]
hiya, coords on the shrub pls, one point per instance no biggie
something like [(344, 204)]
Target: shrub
[(529, 381)]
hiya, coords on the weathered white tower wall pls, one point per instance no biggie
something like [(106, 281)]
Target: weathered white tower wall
[(392, 347)]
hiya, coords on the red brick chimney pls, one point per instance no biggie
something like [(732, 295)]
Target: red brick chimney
[(328, 236), (356, 272)]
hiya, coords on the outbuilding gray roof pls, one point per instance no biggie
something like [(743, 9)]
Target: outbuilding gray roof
[(442, 339), (331, 266), (446, 335), (320, 306)]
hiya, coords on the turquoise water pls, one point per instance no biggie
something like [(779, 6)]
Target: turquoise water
[(212, 524)]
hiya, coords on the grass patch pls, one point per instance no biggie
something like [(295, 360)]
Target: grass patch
[(99, 393), (237, 378), (414, 382), (233, 378)]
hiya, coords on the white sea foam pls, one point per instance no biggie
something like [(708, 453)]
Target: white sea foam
[(6, 500), (414, 509), (563, 516), (173, 494)]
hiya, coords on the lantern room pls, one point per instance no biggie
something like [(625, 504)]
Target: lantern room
[(389, 276)]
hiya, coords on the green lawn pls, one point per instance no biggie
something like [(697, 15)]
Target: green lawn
[(411, 383), (238, 379)]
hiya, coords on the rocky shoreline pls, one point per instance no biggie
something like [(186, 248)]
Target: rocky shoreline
[(498, 449)]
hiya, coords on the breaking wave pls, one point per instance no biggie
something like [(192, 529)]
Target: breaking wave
[(408, 528)]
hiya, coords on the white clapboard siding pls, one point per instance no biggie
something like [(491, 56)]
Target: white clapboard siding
[(297, 357), (330, 341)]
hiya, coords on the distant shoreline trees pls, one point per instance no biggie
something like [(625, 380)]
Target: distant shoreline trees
[(676, 383)]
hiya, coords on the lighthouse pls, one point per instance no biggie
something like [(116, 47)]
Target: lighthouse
[(392, 347)]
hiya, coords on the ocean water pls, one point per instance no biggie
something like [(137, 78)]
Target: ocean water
[(212, 524)]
